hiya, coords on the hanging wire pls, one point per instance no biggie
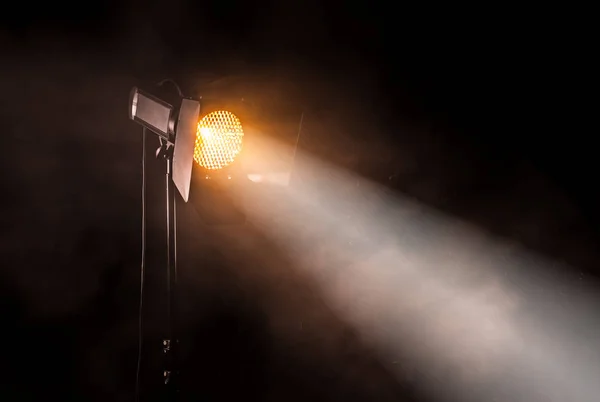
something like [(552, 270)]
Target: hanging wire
[(142, 270), (172, 82)]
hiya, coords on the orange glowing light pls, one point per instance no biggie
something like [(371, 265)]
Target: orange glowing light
[(218, 140)]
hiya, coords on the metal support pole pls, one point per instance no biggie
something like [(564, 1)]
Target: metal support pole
[(170, 342)]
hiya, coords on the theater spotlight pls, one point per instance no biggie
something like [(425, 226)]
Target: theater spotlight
[(218, 145), (202, 151)]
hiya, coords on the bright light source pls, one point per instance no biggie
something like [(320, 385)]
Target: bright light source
[(218, 140)]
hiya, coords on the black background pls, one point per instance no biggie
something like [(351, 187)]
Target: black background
[(487, 113)]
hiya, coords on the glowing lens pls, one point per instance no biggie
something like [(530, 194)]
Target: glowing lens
[(218, 140)]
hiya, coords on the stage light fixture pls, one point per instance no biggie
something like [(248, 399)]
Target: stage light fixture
[(204, 161)]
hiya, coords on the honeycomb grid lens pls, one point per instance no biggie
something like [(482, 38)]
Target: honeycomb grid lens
[(218, 140)]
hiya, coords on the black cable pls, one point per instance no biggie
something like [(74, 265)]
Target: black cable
[(170, 81), (142, 269)]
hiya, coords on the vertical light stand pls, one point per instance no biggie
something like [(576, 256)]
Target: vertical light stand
[(169, 344)]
